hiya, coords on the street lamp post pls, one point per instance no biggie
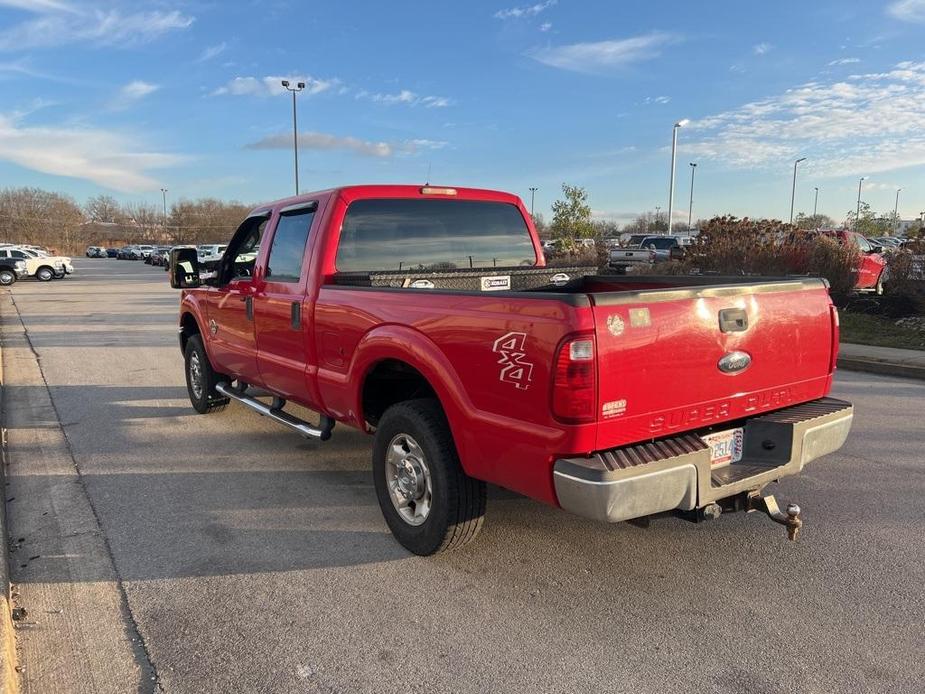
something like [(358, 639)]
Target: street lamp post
[(295, 129), (690, 210), (857, 215), (793, 191), (164, 195), (658, 209), (532, 197), (674, 152), (896, 212)]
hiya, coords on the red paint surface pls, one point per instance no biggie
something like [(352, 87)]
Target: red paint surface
[(502, 421)]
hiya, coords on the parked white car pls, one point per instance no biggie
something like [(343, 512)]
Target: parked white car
[(38, 263), (210, 251)]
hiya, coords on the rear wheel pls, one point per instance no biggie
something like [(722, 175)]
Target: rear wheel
[(430, 504), (45, 274), (7, 277), (201, 378)]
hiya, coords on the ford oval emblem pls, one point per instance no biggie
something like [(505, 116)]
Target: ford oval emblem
[(734, 362)]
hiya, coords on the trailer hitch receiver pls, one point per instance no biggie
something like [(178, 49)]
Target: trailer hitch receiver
[(768, 505)]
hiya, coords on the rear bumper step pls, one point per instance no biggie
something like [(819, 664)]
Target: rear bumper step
[(676, 473)]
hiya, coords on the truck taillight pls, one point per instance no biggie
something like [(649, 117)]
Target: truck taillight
[(574, 386), (833, 356)]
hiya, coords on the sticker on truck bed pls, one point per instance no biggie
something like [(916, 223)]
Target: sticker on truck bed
[(495, 284), (515, 368)]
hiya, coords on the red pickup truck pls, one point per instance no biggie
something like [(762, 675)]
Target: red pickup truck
[(427, 316)]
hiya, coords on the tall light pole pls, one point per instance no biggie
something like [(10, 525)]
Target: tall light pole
[(690, 210), (857, 215), (164, 194), (295, 128), (532, 197), (674, 152), (658, 209), (793, 190), (896, 211), (816, 204)]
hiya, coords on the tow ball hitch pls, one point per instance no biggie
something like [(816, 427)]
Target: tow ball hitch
[(768, 504)]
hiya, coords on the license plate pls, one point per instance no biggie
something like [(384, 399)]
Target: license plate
[(725, 446)]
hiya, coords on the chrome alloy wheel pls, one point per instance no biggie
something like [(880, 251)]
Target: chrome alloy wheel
[(195, 375), (408, 479)]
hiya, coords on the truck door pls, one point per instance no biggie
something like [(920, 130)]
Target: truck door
[(232, 343), (280, 311)]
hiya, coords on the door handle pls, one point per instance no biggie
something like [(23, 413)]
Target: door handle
[(295, 315)]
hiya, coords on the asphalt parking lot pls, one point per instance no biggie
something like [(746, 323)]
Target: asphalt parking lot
[(220, 553)]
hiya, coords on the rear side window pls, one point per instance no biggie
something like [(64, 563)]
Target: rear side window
[(288, 249), (432, 235)]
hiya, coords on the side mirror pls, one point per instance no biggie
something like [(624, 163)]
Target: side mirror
[(676, 252), (184, 268)]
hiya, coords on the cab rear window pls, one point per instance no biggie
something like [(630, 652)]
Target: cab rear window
[(395, 234)]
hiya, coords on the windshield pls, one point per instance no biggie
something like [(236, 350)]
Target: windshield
[(433, 235)]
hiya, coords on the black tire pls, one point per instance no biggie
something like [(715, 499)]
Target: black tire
[(7, 277), (206, 400), (457, 505), (44, 274)]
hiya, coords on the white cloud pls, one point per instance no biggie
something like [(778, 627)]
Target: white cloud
[(657, 99), (407, 97), (326, 141), (131, 93), (98, 28), (864, 124), (38, 6), (272, 85), (101, 156), (526, 11), (844, 61), (761, 48), (601, 56), (137, 89), (210, 52), (908, 10), (545, 26)]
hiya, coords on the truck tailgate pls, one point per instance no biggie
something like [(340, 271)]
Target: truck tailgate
[(672, 360)]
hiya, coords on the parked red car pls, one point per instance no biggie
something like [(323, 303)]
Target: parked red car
[(426, 316), (870, 274)]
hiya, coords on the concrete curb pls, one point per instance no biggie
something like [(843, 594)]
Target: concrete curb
[(883, 368), (9, 681), (886, 361)]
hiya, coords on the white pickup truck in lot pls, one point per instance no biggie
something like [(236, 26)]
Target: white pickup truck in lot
[(650, 250), (39, 265)]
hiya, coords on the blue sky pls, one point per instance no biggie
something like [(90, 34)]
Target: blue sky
[(127, 97)]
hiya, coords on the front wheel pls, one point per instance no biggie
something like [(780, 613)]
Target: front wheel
[(45, 274), (201, 378), (7, 278), (430, 504)]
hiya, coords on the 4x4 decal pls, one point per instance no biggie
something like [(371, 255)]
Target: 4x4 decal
[(515, 368)]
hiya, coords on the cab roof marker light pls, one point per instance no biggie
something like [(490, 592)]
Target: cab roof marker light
[(430, 190)]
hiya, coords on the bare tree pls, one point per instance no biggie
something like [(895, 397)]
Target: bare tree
[(103, 208)]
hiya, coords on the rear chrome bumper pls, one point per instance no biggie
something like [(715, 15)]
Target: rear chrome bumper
[(676, 473)]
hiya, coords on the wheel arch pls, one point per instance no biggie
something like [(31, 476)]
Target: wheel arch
[(410, 362), (189, 326)]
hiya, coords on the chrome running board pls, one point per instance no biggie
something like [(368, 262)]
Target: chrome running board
[(276, 413)]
